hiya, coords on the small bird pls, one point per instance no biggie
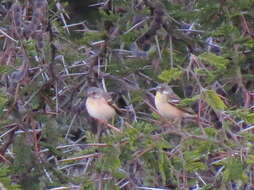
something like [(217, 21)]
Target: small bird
[(165, 102), (97, 104)]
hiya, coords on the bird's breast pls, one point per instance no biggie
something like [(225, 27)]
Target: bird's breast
[(99, 109), (165, 109)]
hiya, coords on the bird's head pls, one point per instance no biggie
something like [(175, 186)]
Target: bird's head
[(95, 92), (164, 89)]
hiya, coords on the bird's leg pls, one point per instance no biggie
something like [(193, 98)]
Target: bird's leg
[(111, 123), (100, 130), (178, 123), (113, 120), (109, 126), (113, 128)]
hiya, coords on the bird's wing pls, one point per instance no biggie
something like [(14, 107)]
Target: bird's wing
[(174, 100), (107, 97), (110, 102)]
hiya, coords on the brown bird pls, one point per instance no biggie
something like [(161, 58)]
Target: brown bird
[(97, 104), (165, 102)]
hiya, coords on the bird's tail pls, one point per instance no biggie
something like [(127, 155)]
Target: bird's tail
[(195, 118)]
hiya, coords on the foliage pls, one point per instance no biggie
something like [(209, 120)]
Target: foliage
[(5, 180), (168, 75), (213, 100), (48, 59)]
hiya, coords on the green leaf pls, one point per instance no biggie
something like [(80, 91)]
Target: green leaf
[(162, 162), (87, 184), (249, 44), (108, 162), (5, 180), (30, 47), (5, 69), (245, 115), (214, 60), (250, 159), (169, 75), (247, 136), (211, 132), (130, 37), (193, 166), (25, 159), (188, 101), (109, 16), (224, 30), (249, 118), (192, 159), (234, 170), (3, 101), (213, 100), (90, 37), (192, 155)]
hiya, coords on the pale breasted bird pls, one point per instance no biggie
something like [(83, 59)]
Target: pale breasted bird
[(98, 104), (166, 101)]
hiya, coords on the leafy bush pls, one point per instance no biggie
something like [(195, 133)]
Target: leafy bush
[(202, 48)]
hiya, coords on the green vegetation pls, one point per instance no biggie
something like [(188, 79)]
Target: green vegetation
[(203, 49)]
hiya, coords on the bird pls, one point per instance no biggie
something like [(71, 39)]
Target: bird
[(165, 103), (98, 104)]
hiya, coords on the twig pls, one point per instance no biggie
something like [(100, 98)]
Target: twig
[(136, 25), (158, 46), (75, 74), (32, 96), (69, 129), (141, 153), (113, 128), (63, 188), (94, 155), (191, 30), (57, 102), (81, 145), (5, 34), (48, 176), (75, 24), (59, 7), (124, 184), (96, 4), (171, 51), (87, 164), (247, 129), (200, 178), (5, 159), (150, 188), (7, 132)]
